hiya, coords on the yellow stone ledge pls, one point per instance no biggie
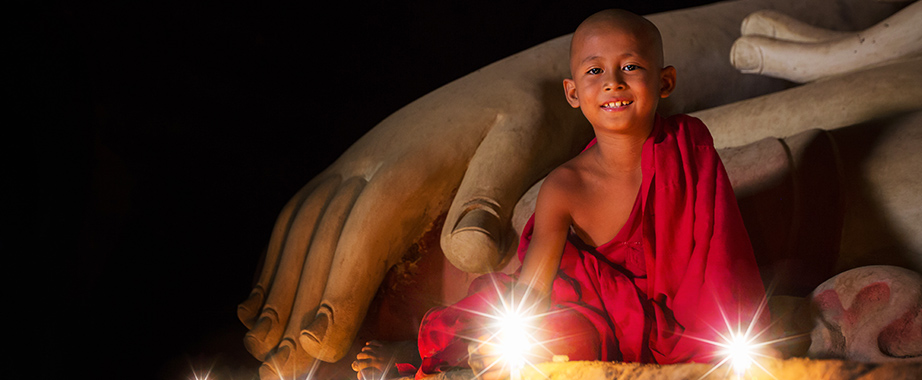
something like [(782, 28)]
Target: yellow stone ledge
[(795, 368)]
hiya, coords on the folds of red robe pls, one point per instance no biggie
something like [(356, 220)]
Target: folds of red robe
[(681, 275)]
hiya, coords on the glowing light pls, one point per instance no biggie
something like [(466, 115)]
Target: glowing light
[(739, 352), (742, 349), (513, 341), (196, 375)]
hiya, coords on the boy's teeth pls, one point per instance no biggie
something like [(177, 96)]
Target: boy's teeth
[(617, 104)]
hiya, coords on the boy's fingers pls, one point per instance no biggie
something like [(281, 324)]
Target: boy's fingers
[(369, 351)]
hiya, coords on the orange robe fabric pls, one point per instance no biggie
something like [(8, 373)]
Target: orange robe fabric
[(679, 271)]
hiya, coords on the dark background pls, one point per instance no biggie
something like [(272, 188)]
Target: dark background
[(169, 134)]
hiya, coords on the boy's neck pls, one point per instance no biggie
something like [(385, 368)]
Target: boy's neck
[(621, 151)]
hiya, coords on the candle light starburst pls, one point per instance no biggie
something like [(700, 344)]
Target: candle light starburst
[(512, 337), (741, 348)]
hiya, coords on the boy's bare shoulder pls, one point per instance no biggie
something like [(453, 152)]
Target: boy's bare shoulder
[(553, 203), (566, 179)]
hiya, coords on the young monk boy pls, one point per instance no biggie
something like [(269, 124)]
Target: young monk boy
[(636, 247)]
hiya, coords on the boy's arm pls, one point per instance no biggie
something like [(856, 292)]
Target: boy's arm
[(552, 222)]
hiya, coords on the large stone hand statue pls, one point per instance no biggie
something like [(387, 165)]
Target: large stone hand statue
[(485, 138), (873, 74), (470, 150), (777, 45)]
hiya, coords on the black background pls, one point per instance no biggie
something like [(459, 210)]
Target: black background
[(169, 134)]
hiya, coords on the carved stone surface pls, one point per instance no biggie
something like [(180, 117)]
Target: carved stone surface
[(869, 314)]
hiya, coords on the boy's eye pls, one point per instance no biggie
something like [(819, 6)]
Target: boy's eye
[(594, 71), (630, 67)]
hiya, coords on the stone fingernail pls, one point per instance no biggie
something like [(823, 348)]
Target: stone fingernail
[(746, 57)]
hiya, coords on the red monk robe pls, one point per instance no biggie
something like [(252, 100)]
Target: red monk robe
[(680, 265)]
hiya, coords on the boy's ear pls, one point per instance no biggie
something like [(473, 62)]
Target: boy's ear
[(667, 78), (569, 90)]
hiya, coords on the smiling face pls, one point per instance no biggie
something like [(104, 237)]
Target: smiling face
[(617, 74)]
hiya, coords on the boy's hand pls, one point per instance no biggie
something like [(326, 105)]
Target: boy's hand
[(484, 360)]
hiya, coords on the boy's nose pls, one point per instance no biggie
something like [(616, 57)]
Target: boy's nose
[(613, 82)]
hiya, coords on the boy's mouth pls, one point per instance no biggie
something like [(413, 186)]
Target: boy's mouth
[(617, 103)]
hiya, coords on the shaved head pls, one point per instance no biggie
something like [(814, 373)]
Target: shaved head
[(616, 68), (642, 29)]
